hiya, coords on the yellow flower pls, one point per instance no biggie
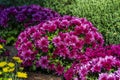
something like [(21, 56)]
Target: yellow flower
[(21, 75), (10, 64), (9, 78), (20, 61), (2, 64), (6, 69), (1, 47), (11, 70), (16, 58), (0, 73)]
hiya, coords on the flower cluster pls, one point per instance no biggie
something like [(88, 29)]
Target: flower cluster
[(11, 69), (110, 50), (111, 76), (101, 63), (27, 15), (56, 43)]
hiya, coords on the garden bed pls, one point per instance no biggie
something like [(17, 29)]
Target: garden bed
[(37, 43)]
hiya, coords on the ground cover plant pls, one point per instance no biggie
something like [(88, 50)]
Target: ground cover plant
[(15, 19)]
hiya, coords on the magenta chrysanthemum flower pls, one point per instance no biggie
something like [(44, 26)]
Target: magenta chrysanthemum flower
[(69, 74), (43, 62), (43, 44), (59, 69), (103, 76)]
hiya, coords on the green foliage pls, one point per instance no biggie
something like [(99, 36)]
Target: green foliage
[(10, 33), (104, 14)]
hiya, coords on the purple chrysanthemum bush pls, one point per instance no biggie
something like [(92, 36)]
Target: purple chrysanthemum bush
[(56, 44), (15, 19), (25, 15), (71, 47)]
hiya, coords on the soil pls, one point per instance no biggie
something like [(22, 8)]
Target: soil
[(40, 76)]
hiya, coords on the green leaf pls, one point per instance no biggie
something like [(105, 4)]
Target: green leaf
[(34, 68), (10, 39)]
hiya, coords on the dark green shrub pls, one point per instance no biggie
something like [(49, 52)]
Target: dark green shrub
[(21, 2)]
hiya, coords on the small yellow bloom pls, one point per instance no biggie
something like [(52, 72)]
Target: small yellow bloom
[(1, 47), (21, 75), (2, 64), (11, 70), (6, 69), (20, 61), (16, 58), (9, 78), (10, 64), (0, 73)]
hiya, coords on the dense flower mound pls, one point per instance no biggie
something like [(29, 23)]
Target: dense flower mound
[(102, 64), (55, 44), (27, 15)]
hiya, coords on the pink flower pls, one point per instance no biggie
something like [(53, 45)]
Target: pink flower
[(43, 44), (51, 66), (59, 69), (103, 76), (36, 35), (56, 40), (43, 62), (111, 77), (76, 21), (74, 39), (75, 78), (52, 27), (78, 30), (64, 24), (96, 68), (69, 74)]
